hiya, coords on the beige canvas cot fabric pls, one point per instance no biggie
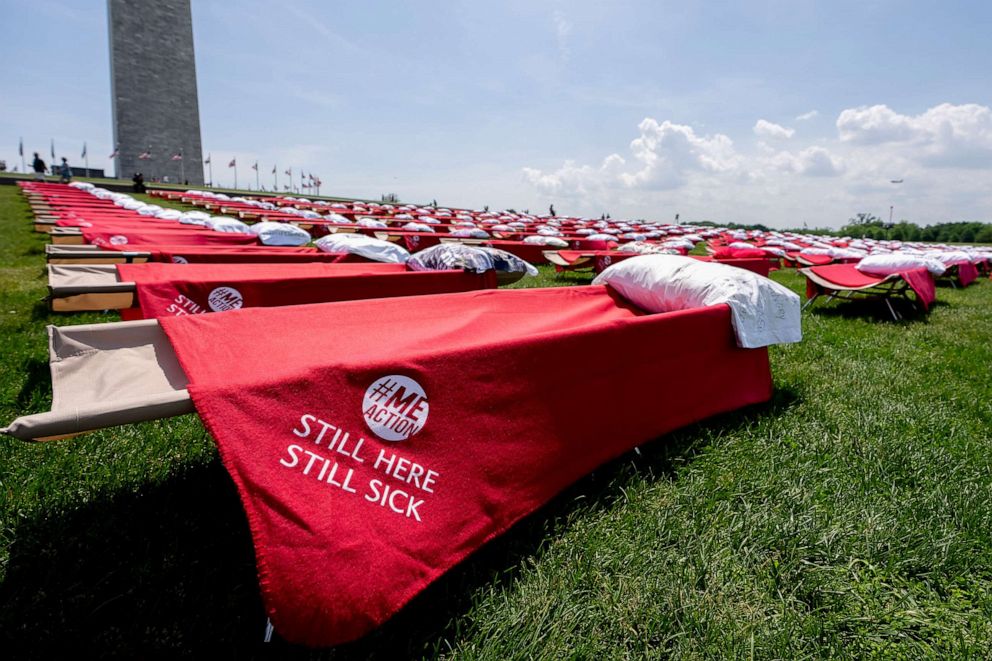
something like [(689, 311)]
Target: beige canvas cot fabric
[(105, 375), (90, 254), (53, 249), (78, 287)]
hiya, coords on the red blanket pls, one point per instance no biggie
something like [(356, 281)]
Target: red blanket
[(182, 289), (375, 444), (177, 237), (846, 276), (242, 254), (967, 273), (248, 255)]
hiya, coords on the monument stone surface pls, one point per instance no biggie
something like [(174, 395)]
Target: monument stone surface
[(153, 85)]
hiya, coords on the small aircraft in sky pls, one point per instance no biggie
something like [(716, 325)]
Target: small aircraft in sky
[(896, 181)]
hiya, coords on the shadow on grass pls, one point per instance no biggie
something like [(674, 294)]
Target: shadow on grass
[(872, 310), (155, 573), (169, 570), (40, 311), (37, 387), (574, 277)]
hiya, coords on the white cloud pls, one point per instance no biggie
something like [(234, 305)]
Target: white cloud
[(666, 154), (818, 162), (571, 180), (807, 116), (944, 154), (669, 152), (766, 129), (946, 135)]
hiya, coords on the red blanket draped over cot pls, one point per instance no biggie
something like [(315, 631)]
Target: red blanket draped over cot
[(846, 276), (178, 237), (180, 289), (967, 273), (240, 254), (375, 444)]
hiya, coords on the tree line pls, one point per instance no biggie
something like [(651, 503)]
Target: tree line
[(866, 225)]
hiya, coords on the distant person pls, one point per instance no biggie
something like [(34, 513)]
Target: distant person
[(65, 172), (3, 166), (139, 182), (39, 167), (551, 210), (165, 179)]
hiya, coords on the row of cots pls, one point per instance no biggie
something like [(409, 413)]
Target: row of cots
[(384, 412)]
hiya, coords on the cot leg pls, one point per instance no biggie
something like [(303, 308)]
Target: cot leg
[(892, 310), (810, 301)]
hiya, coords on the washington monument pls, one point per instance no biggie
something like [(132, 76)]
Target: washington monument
[(153, 85)]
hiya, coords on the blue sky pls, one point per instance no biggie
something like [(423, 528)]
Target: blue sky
[(641, 109)]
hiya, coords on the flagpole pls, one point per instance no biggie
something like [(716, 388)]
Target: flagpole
[(235, 175), (210, 166), (87, 165), (275, 178), (257, 185), (20, 148), (182, 168)]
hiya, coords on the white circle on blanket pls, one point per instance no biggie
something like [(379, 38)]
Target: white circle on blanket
[(225, 298), (118, 239), (179, 259), (395, 407)]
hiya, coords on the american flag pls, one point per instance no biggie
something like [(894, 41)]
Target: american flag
[(178, 156), (145, 155), (232, 163), (117, 150)]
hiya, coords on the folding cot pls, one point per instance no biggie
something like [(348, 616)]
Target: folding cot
[(137, 253), (495, 446), (598, 260), (846, 282), (156, 289), (960, 273), (377, 443), (180, 236)]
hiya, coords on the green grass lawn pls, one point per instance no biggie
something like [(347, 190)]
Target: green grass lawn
[(849, 517)]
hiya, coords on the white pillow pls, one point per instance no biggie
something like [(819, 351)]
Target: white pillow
[(366, 246), (889, 263), (226, 224), (280, 234), (169, 214), (763, 312), (189, 219), (552, 241), (418, 227), (679, 243), (470, 233), (951, 257)]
